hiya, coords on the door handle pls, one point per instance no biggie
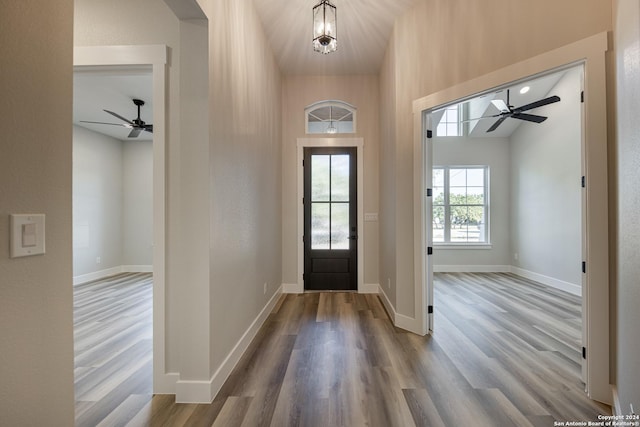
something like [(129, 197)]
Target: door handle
[(353, 237)]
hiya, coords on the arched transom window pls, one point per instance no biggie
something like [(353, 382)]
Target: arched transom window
[(330, 117)]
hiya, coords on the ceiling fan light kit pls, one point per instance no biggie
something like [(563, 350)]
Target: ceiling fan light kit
[(136, 125), (325, 28)]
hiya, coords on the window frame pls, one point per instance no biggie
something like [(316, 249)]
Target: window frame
[(330, 103), (447, 243)]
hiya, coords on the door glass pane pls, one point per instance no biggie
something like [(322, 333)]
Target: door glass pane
[(320, 221), (340, 178), (339, 225), (320, 184)]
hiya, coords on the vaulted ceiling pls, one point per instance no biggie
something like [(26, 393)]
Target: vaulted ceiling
[(364, 30)]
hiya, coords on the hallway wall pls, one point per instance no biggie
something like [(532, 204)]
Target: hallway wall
[(36, 309)]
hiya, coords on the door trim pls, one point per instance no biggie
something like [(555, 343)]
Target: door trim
[(358, 143), (592, 53)]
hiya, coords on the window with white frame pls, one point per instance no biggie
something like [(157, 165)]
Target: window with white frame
[(450, 124), (460, 204)]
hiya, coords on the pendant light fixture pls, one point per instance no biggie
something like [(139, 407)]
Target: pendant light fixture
[(324, 27), (331, 128)]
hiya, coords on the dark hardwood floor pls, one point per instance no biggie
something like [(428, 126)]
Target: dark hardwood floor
[(504, 353)]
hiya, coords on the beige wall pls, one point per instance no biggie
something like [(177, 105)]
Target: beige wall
[(245, 157), (36, 315), (438, 44), (298, 93), (627, 377)]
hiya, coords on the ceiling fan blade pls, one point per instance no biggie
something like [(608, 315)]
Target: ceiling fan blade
[(500, 105), (529, 117), (539, 103), (134, 132), (118, 116), (103, 123), (497, 123), (148, 128)]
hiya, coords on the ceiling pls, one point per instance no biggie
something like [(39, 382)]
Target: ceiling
[(96, 89), (364, 29), (481, 106)]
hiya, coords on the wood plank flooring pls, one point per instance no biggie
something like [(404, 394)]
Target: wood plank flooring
[(113, 348), (504, 353)]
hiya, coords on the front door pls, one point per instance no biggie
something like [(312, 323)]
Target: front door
[(330, 219)]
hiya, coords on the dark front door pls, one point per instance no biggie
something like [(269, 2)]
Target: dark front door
[(330, 219)]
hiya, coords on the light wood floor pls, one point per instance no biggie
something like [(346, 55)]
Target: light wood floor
[(113, 348), (505, 352)]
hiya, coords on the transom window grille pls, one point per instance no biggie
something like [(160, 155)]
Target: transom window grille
[(330, 117), (460, 204)]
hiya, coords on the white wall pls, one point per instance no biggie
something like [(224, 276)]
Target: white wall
[(492, 152), (36, 300), (97, 202), (546, 216), (627, 377), (112, 205), (137, 203)]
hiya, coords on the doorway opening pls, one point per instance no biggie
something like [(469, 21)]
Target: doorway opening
[(112, 235), (594, 270), (507, 200)]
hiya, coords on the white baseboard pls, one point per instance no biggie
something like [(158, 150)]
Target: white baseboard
[(472, 268), (571, 288), (137, 268), (165, 383), (407, 323), (96, 275), (101, 274), (292, 288), (369, 288), (616, 407), (206, 391)]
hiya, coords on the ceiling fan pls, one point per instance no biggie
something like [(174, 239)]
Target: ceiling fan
[(507, 110), (136, 125)]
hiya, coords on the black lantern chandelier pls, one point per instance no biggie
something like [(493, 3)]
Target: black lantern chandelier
[(324, 27)]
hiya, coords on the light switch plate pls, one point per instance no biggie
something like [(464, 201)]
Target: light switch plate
[(27, 235), (371, 217)]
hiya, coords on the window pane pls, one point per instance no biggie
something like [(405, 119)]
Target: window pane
[(320, 178), (457, 177), (458, 196), (340, 178), (475, 195), (320, 226), (441, 130), (438, 195), (475, 177), (438, 177), (452, 129), (452, 114), (339, 226)]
